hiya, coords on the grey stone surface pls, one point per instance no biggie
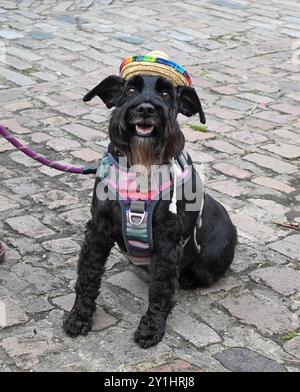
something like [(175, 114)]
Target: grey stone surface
[(41, 35), (29, 226), (293, 347), (14, 314), (131, 282), (130, 39), (284, 280), (245, 360), (289, 246), (61, 245), (199, 334), (266, 314)]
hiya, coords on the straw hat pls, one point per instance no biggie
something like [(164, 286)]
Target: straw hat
[(158, 64)]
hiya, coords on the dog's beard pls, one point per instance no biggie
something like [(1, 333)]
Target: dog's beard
[(167, 143), (142, 152)]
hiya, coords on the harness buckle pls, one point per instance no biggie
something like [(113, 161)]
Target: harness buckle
[(140, 215), (136, 210)]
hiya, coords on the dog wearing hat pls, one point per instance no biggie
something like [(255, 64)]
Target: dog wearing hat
[(159, 214)]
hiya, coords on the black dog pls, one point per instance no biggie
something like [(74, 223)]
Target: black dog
[(143, 127)]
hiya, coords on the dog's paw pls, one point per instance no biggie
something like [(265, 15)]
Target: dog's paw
[(75, 324), (149, 332)]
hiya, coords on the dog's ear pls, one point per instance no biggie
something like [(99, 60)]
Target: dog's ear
[(189, 102), (109, 90)]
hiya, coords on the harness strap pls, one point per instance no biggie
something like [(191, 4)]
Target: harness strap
[(137, 206)]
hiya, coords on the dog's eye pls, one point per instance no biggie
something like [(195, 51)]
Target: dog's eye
[(131, 91), (165, 94)]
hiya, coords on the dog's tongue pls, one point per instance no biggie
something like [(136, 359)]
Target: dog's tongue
[(143, 130)]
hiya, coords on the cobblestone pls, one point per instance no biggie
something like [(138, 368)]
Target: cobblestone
[(245, 360), (284, 280), (241, 59), (265, 313), (29, 226)]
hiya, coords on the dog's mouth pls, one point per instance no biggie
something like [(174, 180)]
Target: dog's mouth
[(144, 130)]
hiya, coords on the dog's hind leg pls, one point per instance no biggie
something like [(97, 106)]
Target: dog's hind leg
[(213, 261), (94, 252)]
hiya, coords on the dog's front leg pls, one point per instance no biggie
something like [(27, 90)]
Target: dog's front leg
[(164, 281), (94, 253)]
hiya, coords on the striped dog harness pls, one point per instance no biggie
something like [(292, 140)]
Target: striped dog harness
[(138, 196)]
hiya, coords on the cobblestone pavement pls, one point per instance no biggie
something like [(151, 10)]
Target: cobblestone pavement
[(244, 57)]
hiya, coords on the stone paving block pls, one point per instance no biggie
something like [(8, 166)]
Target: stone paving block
[(86, 154), (286, 108), (287, 134), (26, 351), (273, 116), (13, 125), (130, 39), (72, 110), (200, 157), (24, 245), (55, 199), (256, 98), (10, 34), (267, 314), (225, 90), (102, 320), (197, 333), (293, 347), (259, 124), (16, 77), (276, 209), (218, 126), (49, 172), (225, 114), (18, 105), (40, 137), (176, 366), (24, 160), (283, 279), (223, 147), (5, 146), (13, 313), (7, 204), (241, 359), (29, 226), (38, 278), (129, 281), (248, 137), (228, 187), (287, 151), (194, 136), (77, 217), (61, 245), (65, 302), (289, 246), (274, 164), (10, 253), (62, 144), (231, 170), (236, 104), (84, 133), (249, 225), (245, 257), (273, 184)]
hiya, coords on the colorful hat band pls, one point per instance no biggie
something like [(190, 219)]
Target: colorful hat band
[(152, 65)]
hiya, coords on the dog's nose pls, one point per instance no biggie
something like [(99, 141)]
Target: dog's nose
[(145, 109)]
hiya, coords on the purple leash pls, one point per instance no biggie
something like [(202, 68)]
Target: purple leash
[(88, 169)]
